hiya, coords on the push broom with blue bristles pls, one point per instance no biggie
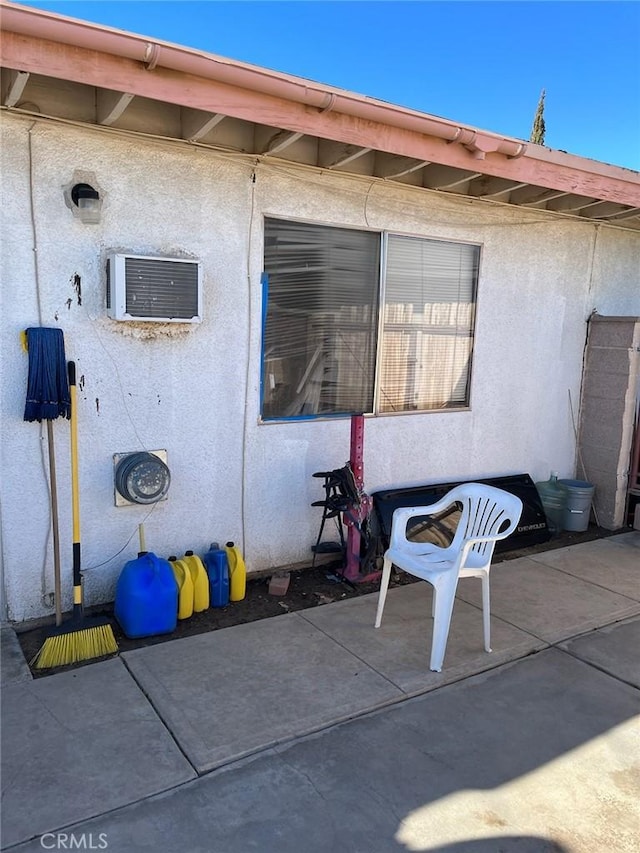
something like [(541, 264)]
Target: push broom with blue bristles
[(82, 637)]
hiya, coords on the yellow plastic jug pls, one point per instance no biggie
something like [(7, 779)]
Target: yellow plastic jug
[(185, 587), (200, 581), (237, 573)]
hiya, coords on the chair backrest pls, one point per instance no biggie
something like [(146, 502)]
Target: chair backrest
[(487, 513)]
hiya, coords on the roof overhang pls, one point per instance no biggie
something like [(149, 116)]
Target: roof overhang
[(63, 68)]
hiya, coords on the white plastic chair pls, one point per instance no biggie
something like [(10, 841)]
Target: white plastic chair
[(488, 514)]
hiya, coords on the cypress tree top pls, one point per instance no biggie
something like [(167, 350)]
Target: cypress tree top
[(538, 128)]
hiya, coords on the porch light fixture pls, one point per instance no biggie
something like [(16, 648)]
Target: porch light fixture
[(88, 202)]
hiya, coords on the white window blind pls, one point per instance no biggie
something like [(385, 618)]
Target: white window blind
[(428, 321), (321, 320)]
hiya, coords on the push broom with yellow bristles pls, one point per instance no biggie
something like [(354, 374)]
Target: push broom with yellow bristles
[(82, 637)]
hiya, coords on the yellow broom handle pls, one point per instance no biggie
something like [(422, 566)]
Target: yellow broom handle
[(75, 496), (75, 492)]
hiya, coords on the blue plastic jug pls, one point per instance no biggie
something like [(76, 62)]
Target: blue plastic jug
[(217, 566), (146, 601)]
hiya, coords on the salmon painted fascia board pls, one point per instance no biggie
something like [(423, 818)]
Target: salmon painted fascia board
[(534, 164), (153, 52)]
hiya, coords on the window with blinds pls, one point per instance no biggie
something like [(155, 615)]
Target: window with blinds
[(428, 321), (322, 315)]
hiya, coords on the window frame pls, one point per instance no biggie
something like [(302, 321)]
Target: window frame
[(384, 234)]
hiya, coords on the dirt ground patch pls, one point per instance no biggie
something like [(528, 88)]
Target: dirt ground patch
[(309, 587)]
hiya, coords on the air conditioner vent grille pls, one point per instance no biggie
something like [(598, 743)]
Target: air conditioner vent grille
[(154, 289), (157, 288)]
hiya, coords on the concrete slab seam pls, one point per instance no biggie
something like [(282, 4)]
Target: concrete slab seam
[(593, 665), (559, 645), (457, 684), (485, 670), (622, 620), (410, 694), (628, 613), (585, 580), (285, 742), (519, 628), (351, 652), (159, 716), (597, 667), (83, 822)]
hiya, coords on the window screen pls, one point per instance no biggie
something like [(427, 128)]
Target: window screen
[(321, 320)]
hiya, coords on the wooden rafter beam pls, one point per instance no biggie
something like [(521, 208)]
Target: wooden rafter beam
[(197, 123), (332, 155), (111, 105), (624, 214), (17, 81), (570, 203), (446, 178), (594, 202), (603, 209), (281, 140), (389, 166), (531, 195), (495, 188)]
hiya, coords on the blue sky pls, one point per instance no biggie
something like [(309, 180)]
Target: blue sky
[(479, 63)]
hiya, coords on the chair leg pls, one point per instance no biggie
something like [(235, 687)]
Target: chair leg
[(384, 586), (486, 612), (444, 598)]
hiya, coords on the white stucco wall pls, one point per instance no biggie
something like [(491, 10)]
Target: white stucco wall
[(616, 273), (184, 389)]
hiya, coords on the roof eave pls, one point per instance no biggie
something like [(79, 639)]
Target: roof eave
[(52, 45)]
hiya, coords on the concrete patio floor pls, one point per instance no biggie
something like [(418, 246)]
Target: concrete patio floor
[(229, 740)]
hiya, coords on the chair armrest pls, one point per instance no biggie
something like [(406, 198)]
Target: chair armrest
[(402, 515), (478, 540)]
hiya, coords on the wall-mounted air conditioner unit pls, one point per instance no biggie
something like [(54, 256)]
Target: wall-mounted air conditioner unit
[(158, 290)]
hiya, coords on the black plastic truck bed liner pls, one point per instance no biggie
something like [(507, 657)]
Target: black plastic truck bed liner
[(532, 530)]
